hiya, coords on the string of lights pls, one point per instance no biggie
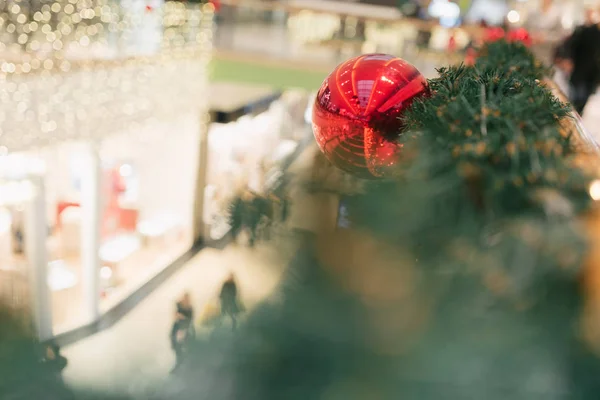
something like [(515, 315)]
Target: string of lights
[(86, 69)]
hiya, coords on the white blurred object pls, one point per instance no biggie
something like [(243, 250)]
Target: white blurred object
[(125, 170), (5, 233), (439, 38), (5, 221), (513, 16), (562, 81), (210, 207), (272, 177), (492, 11), (106, 273), (595, 190), (119, 248), (283, 150), (446, 11), (591, 116), (107, 277), (15, 192), (309, 108), (550, 22), (159, 225), (19, 165), (145, 23), (59, 276)]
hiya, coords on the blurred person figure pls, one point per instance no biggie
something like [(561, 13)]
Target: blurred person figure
[(17, 232), (546, 28), (236, 216), (546, 23), (230, 306), (583, 49), (590, 116), (248, 214), (54, 360), (590, 17), (424, 32), (185, 310), (423, 40), (182, 330), (563, 67), (590, 112), (254, 212)]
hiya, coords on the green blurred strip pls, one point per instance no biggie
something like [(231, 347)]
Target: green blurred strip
[(261, 73)]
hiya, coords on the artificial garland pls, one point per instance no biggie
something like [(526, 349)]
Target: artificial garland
[(487, 170), (461, 274), (459, 278)]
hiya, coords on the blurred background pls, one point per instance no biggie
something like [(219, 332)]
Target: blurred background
[(128, 126)]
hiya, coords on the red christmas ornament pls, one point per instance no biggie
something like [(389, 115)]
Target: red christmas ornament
[(356, 112), (520, 35)]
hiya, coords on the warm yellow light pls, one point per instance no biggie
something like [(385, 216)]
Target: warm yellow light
[(46, 48), (595, 190), (513, 16)]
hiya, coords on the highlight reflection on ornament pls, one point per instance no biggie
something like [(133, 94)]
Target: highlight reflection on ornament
[(356, 113)]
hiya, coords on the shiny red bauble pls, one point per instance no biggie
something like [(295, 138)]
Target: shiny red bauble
[(356, 115)]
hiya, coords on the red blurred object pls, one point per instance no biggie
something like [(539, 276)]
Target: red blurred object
[(216, 4), (356, 113), (60, 207), (452, 44), (494, 34), (471, 56), (149, 8), (520, 35)]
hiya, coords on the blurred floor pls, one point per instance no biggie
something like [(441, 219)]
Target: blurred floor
[(134, 356)]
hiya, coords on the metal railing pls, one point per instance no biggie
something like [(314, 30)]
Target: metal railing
[(318, 32)]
